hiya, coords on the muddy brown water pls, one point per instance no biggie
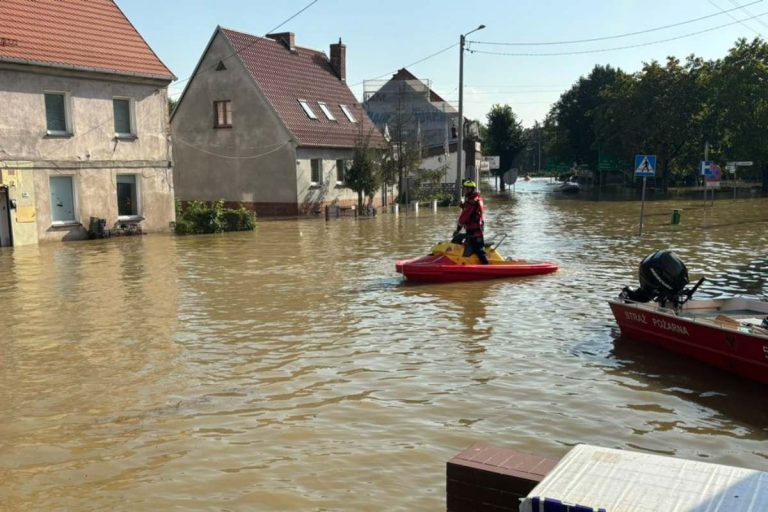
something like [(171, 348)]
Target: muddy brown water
[(292, 369)]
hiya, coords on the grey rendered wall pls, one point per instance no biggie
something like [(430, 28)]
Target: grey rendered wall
[(252, 162), (92, 154)]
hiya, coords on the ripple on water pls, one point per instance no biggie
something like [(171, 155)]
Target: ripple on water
[(240, 372)]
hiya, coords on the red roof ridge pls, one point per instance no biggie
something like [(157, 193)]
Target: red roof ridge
[(265, 38)]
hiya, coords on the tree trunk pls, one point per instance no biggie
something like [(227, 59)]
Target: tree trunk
[(765, 177), (502, 184), (359, 200)]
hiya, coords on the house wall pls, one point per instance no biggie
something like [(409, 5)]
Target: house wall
[(91, 154), (314, 197), (253, 162)]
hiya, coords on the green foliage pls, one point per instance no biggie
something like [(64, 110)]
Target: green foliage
[(364, 175), (738, 112), (670, 110), (200, 217), (427, 186), (572, 117), (503, 137)]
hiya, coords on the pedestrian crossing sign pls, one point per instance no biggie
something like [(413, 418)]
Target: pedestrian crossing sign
[(645, 165)]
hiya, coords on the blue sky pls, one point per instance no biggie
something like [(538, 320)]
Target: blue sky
[(383, 36)]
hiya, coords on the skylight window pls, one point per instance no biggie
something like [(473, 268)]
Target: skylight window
[(326, 111), (307, 109), (348, 113)]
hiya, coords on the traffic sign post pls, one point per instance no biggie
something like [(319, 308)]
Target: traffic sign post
[(732, 166), (645, 165), (712, 175)]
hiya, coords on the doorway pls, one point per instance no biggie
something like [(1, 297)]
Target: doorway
[(6, 238)]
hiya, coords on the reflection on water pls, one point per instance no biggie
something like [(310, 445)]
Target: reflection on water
[(292, 369)]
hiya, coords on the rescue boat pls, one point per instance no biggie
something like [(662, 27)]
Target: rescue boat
[(448, 262), (730, 333)]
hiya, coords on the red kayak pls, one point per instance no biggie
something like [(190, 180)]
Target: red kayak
[(447, 263)]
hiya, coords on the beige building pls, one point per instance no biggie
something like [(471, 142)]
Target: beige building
[(83, 124), (269, 125)]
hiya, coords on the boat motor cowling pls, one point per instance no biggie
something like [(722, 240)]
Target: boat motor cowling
[(663, 277)]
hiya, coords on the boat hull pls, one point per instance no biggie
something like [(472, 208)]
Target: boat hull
[(441, 269), (730, 349)]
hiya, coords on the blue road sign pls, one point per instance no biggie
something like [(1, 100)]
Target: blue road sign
[(645, 165)]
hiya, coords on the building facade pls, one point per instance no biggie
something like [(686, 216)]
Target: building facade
[(84, 125), (268, 125)]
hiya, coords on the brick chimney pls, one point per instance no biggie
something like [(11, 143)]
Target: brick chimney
[(339, 60), (287, 38)]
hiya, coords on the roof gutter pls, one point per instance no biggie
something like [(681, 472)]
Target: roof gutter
[(100, 71)]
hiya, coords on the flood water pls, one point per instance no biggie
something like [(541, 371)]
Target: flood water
[(290, 369)]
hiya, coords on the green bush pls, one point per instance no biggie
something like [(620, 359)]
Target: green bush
[(200, 217)]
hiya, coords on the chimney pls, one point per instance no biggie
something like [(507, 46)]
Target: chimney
[(339, 60), (287, 38)]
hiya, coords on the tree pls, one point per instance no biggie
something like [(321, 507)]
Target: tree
[(364, 175), (503, 137), (655, 111), (739, 106), (572, 117), (404, 151)]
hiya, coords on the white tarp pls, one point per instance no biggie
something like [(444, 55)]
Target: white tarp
[(627, 481)]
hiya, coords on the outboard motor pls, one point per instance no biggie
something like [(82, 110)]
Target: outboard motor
[(663, 277)]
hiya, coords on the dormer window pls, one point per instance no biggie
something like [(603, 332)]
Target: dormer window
[(348, 113), (307, 109), (326, 111)]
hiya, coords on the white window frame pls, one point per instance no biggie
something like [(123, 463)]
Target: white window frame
[(307, 109), (312, 171), (131, 117), (326, 111), (73, 221), (348, 113), (67, 115), (136, 182)]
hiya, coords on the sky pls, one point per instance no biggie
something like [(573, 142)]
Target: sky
[(384, 36)]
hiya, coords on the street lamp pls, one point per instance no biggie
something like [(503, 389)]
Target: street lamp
[(460, 148)]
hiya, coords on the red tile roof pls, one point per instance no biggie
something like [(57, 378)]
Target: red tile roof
[(285, 77), (79, 34)]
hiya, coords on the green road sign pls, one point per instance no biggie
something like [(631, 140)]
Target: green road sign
[(611, 164)]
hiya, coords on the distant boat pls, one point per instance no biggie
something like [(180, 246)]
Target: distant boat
[(569, 187)]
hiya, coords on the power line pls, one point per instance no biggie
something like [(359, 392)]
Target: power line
[(619, 36), (744, 8), (602, 50), (256, 40), (411, 64), (733, 18)]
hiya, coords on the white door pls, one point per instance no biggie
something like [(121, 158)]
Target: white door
[(5, 219)]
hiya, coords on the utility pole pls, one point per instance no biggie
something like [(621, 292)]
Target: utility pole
[(460, 124), (460, 141)]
